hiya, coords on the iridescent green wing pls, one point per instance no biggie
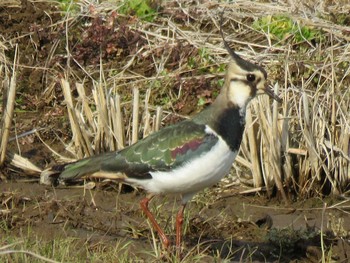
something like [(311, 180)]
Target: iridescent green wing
[(164, 150), (161, 151)]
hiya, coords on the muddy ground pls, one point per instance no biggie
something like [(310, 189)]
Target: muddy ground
[(226, 225), (234, 226)]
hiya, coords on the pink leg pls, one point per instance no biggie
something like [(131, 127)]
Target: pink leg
[(179, 221), (144, 205)]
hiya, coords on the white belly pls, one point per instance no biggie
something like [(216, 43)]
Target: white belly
[(192, 177)]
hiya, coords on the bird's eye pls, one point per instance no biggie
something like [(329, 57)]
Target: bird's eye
[(251, 77)]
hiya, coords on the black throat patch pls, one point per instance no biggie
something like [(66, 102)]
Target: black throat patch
[(230, 126)]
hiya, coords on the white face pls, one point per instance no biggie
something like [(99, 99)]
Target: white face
[(239, 93), (243, 85)]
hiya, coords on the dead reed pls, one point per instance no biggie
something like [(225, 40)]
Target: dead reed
[(9, 93), (103, 129)]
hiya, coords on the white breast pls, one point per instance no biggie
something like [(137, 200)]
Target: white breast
[(192, 177)]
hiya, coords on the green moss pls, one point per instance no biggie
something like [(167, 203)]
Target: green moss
[(287, 239)]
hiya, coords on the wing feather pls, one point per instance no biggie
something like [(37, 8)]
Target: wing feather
[(167, 149), (164, 150)]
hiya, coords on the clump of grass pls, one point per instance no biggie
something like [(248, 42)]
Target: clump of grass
[(301, 147), (32, 249), (281, 27), (70, 6), (142, 9), (95, 131)]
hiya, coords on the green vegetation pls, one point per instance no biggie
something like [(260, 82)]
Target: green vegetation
[(31, 249), (281, 28), (69, 5), (140, 8)]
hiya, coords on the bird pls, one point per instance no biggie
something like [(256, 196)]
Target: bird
[(186, 157)]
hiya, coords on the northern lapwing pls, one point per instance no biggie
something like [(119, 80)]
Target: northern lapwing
[(186, 157)]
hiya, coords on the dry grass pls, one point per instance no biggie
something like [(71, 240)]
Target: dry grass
[(305, 142), (94, 132), (9, 101)]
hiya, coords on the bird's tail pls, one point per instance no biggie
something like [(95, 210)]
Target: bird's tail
[(50, 175), (62, 173)]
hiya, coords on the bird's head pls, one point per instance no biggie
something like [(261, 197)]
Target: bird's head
[(244, 80)]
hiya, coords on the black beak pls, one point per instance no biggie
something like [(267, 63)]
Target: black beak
[(272, 95)]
